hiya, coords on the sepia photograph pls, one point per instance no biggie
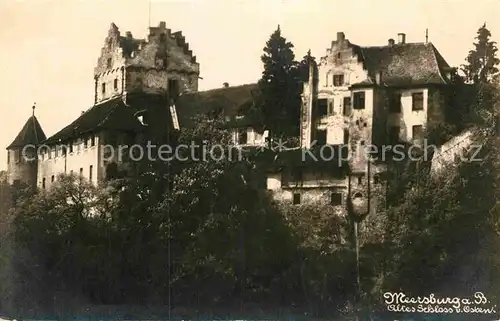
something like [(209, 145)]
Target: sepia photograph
[(298, 160)]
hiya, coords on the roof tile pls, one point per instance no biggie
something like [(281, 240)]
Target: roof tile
[(31, 134)]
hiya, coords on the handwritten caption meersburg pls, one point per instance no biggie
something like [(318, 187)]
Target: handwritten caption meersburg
[(400, 302)]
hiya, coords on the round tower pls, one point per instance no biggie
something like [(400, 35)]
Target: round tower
[(22, 158)]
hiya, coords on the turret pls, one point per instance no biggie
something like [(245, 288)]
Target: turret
[(22, 156)]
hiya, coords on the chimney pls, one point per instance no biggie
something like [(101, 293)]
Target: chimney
[(401, 38), (225, 85), (391, 42), (340, 36)]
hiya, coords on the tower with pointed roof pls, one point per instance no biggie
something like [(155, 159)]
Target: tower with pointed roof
[(22, 155)]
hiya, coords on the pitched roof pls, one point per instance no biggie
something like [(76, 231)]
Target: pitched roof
[(223, 100), (404, 64), (112, 114), (31, 134)]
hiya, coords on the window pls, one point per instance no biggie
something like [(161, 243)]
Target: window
[(376, 179), (417, 131), (81, 171), (296, 198), (71, 147), (43, 183), (173, 88), (103, 90), (331, 107), (242, 136), (394, 134), (162, 38), (336, 199), (90, 172), (92, 140), (108, 63), (360, 180), (8, 157), (346, 110), (395, 103), (321, 137), (53, 178), (346, 136), (85, 142), (338, 80), (322, 107), (359, 100), (417, 101), (115, 84)]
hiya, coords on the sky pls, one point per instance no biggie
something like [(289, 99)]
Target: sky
[(49, 48)]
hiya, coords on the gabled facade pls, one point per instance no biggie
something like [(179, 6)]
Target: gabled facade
[(136, 85), (366, 98)]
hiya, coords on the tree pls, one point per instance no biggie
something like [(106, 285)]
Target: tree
[(280, 87), (482, 61)]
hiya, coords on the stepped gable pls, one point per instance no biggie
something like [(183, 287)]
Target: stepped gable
[(112, 114)]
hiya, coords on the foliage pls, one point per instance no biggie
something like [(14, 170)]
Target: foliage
[(280, 87), (481, 63)]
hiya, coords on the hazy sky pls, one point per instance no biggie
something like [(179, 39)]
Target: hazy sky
[(49, 48)]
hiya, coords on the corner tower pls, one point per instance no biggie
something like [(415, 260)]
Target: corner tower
[(22, 158), (161, 65)]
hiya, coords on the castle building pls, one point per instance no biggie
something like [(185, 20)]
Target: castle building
[(21, 153), (357, 98), (136, 84)]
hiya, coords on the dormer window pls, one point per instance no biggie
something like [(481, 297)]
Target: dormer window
[(108, 63)]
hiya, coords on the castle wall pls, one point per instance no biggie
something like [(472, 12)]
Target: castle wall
[(55, 162), (456, 148)]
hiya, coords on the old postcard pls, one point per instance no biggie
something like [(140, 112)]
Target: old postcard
[(250, 160)]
